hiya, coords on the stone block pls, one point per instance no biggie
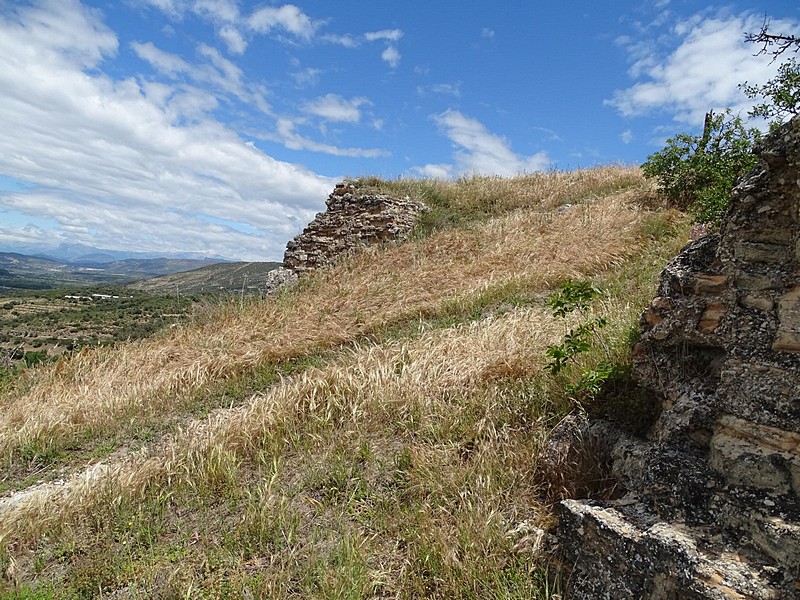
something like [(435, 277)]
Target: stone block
[(762, 394), (757, 282), (787, 338), (651, 317), (757, 456), (711, 317), (617, 557), (755, 252), (705, 283), (760, 302), (769, 233)]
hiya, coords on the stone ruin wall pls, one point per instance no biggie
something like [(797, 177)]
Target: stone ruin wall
[(711, 509), (353, 220)]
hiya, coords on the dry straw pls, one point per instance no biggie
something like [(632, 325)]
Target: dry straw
[(97, 390), (370, 384)]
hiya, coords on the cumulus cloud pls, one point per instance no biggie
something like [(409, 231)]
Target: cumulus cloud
[(107, 161), (333, 107), (391, 56), (701, 70), (390, 35), (233, 39), (287, 17), (479, 151)]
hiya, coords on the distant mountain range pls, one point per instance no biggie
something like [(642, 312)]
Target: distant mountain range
[(21, 271), (80, 253)]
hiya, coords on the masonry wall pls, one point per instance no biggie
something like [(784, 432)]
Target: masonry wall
[(712, 508)]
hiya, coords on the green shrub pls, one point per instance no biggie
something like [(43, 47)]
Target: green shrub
[(35, 357), (697, 173)]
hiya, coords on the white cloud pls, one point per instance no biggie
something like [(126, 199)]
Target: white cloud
[(487, 32), (222, 14), (67, 28), (218, 71), (335, 108), (108, 162), (479, 151), (346, 40), (445, 89), (233, 39), (700, 72), (288, 17), (164, 62), (174, 8), (230, 24), (626, 137), (391, 56), (390, 35), (218, 10), (289, 137), (306, 77)]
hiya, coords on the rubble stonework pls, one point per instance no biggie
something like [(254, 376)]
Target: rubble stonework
[(279, 278), (352, 220), (712, 507)]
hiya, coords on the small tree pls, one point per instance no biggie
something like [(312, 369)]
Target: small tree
[(782, 94), (697, 173)]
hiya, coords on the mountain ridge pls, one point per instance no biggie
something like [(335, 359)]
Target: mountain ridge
[(24, 271)]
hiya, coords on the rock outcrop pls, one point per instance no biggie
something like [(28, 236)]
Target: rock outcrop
[(712, 509), (353, 220)]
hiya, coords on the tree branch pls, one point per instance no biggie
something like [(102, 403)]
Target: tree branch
[(775, 44)]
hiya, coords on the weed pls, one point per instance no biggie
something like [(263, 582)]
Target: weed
[(576, 296)]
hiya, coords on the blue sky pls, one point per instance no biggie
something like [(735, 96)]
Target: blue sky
[(220, 126)]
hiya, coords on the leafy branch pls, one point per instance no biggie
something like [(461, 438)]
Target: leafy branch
[(577, 296)]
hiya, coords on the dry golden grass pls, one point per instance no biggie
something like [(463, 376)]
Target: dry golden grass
[(369, 384), (100, 390), (441, 399), (404, 465), (495, 195)]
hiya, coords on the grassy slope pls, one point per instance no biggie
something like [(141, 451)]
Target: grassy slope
[(371, 432), (241, 277)]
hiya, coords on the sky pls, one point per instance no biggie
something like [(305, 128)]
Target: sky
[(219, 127)]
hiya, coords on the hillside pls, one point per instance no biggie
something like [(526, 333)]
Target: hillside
[(238, 277), (376, 430)]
